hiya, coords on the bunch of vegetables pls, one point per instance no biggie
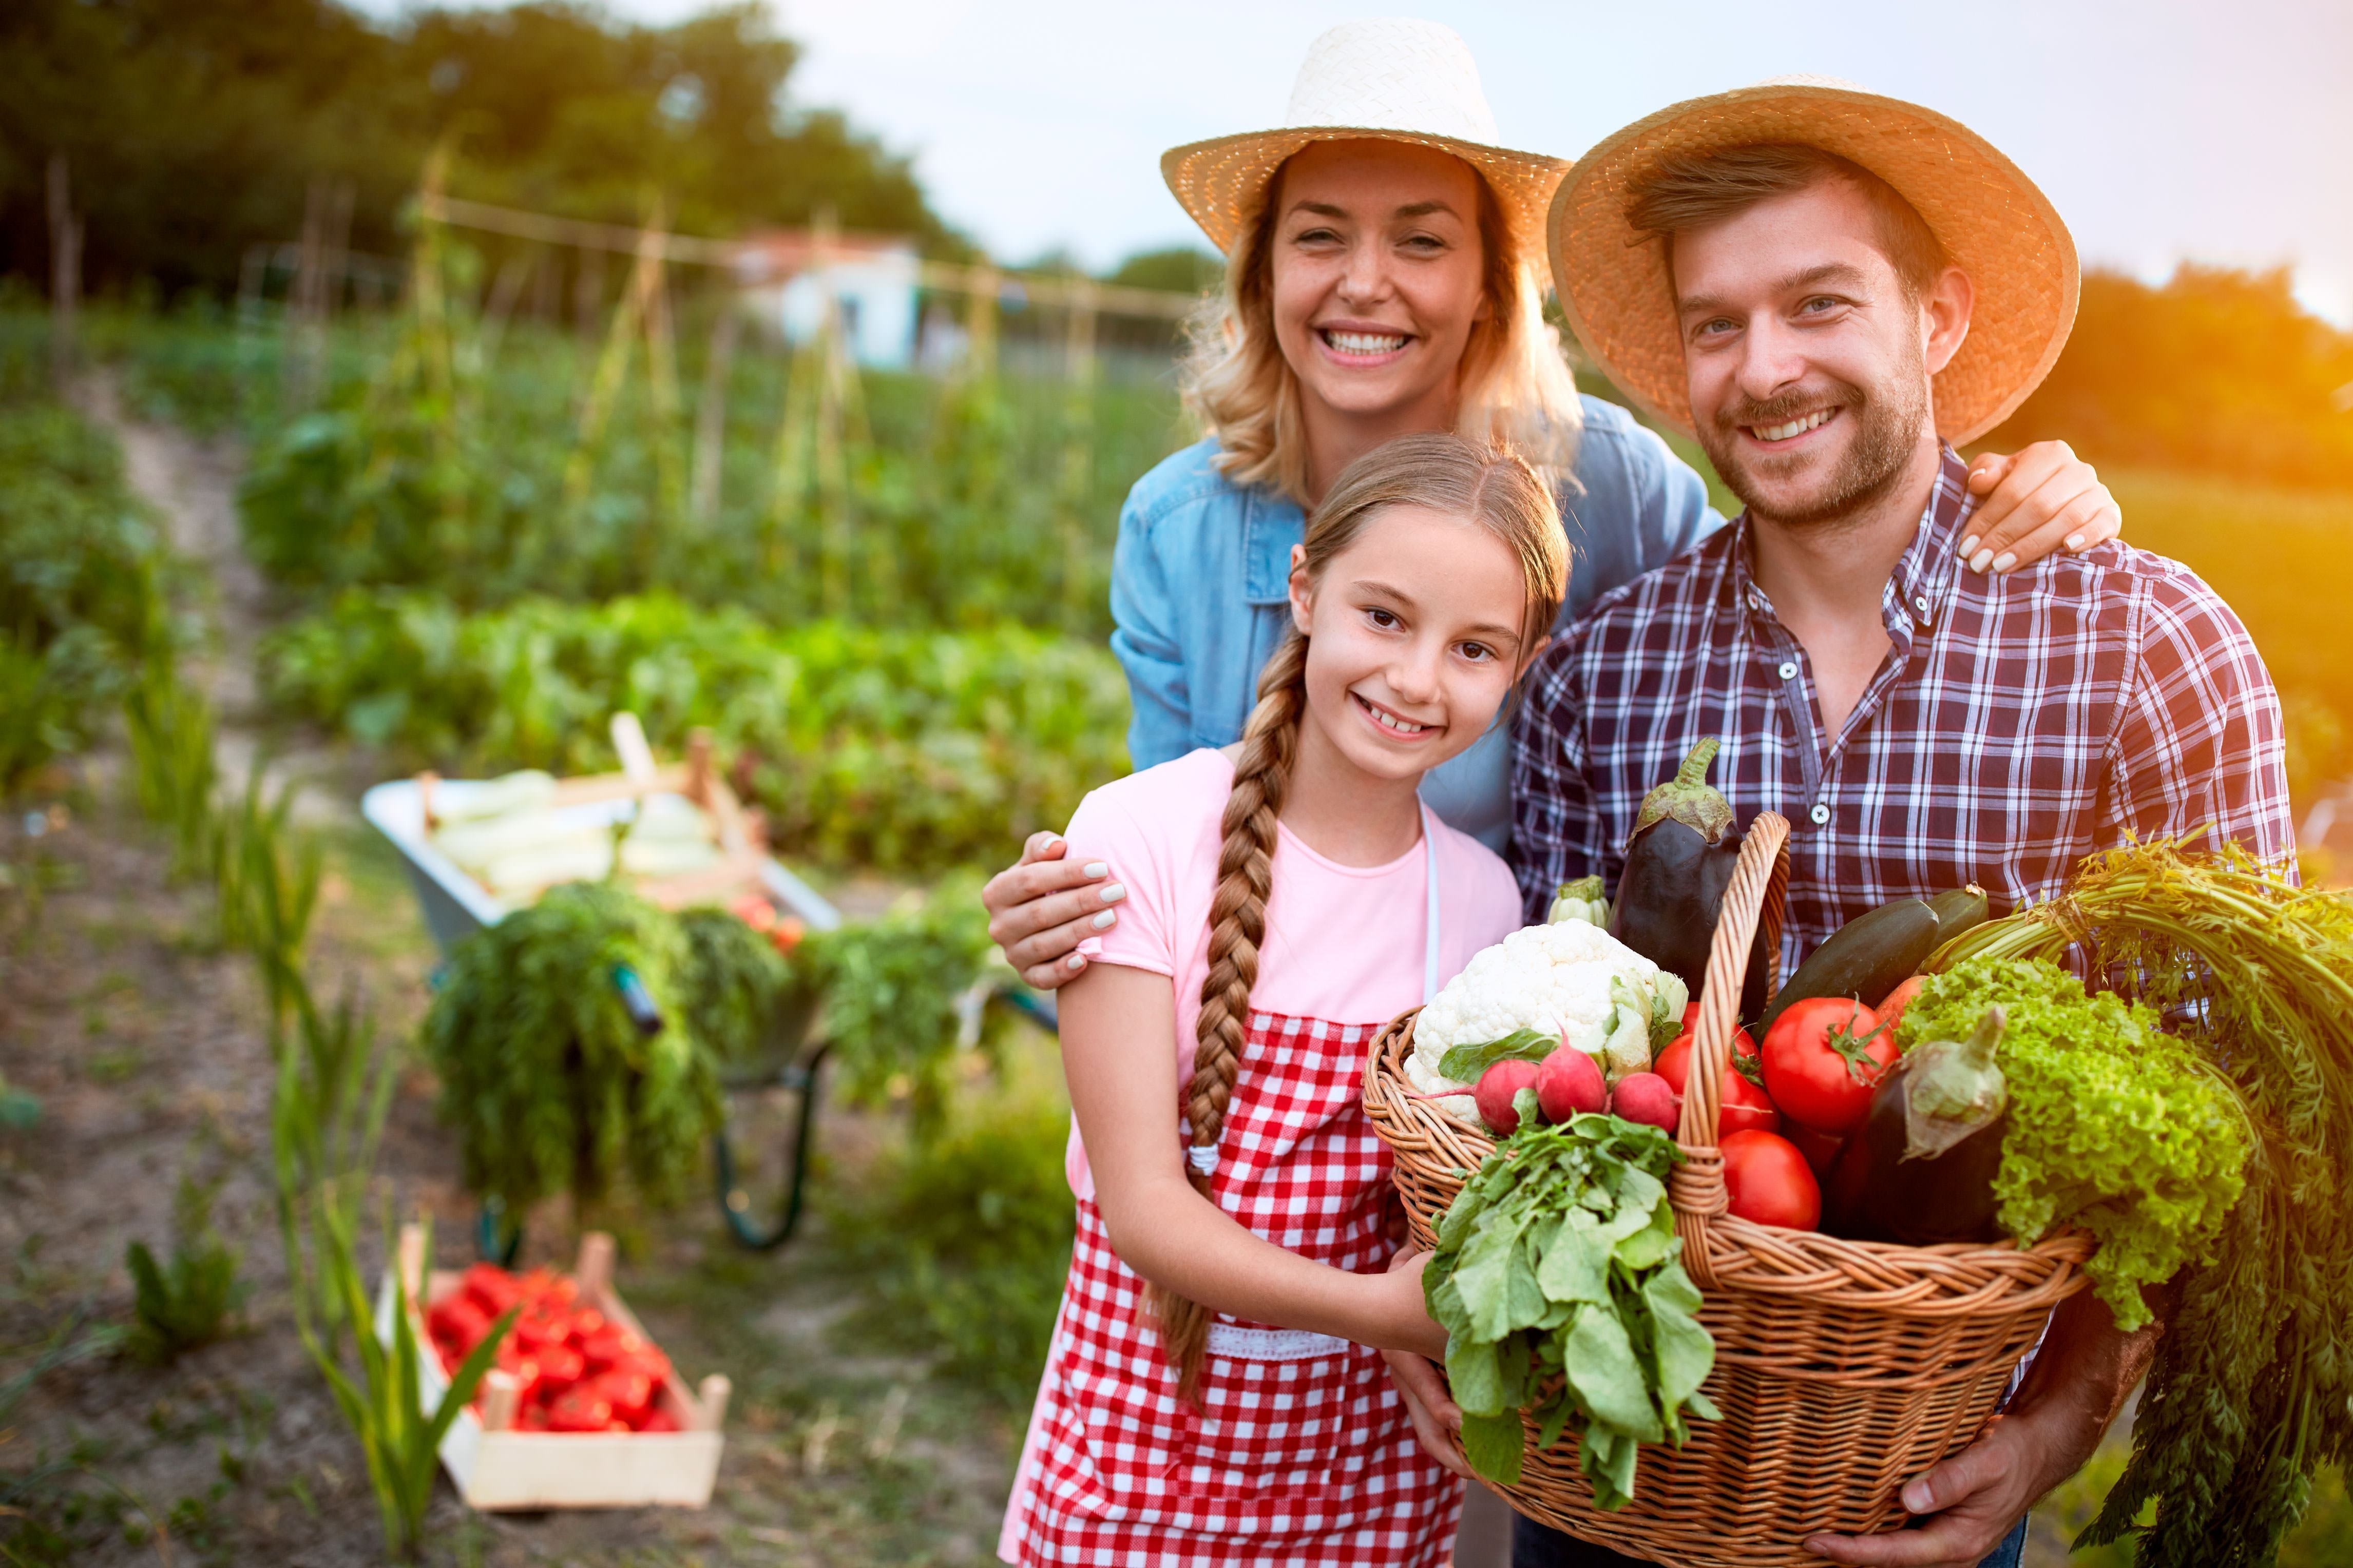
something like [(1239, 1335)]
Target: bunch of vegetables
[(2250, 1386), (576, 1369), (1558, 1278), (549, 1069)]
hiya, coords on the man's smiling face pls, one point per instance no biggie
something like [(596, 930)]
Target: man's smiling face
[(1807, 359)]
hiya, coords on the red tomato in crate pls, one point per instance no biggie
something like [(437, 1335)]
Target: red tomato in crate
[(659, 1419), (492, 1289), (579, 1410), (630, 1393), (560, 1366), (458, 1319), (1741, 1105), (1768, 1181), (1823, 1057)]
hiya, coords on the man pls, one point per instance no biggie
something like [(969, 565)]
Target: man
[(1826, 287)]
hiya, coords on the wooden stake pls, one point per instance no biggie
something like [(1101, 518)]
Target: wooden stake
[(711, 409), (64, 271), (1078, 452)]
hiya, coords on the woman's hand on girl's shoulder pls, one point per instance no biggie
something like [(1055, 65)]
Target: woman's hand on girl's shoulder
[(2034, 503), (1043, 905)]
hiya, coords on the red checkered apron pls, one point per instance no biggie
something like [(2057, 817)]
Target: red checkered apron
[(1300, 1451)]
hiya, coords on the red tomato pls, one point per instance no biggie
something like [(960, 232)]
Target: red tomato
[(458, 1319), (492, 1289), (1690, 1015), (1891, 1006), (560, 1366), (579, 1410), (1768, 1181), (657, 1419), (1822, 1059), (1741, 1105), (630, 1393)]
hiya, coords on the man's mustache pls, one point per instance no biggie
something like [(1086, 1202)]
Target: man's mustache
[(1783, 407)]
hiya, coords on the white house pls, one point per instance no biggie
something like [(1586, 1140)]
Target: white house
[(788, 277)]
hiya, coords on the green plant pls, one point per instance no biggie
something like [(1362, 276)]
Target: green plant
[(173, 776), (382, 1404), (545, 1075), (897, 994), (266, 876), (186, 1305), (966, 1239), (732, 983), (327, 1107)]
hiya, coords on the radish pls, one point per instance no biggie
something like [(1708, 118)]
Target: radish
[(1496, 1088), (1647, 1097), (1568, 1083)]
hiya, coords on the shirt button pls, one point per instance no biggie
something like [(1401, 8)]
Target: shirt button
[(1788, 670), (1921, 603), (1820, 814)]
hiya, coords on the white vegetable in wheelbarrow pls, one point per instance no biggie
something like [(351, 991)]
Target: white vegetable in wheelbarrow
[(1570, 982)]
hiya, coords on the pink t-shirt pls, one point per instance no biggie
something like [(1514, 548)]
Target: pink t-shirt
[(1343, 943)]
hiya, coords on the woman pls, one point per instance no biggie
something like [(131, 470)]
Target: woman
[(1385, 275)]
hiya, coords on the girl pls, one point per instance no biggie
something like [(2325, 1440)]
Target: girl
[(1214, 1393), (1385, 274)]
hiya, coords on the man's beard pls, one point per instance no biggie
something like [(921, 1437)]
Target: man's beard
[(1887, 417)]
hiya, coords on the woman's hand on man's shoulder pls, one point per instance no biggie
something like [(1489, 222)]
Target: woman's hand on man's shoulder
[(1043, 905)]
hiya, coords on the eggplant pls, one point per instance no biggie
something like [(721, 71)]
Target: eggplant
[(1679, 860), (1920, 1169)]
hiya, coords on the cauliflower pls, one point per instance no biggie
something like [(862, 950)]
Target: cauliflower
[(1571, 982)]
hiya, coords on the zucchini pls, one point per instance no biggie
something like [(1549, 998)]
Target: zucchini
[(1958, 911), (1866, 958)]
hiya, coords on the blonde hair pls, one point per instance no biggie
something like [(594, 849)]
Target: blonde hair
[(1483, 484), (1515, 385)]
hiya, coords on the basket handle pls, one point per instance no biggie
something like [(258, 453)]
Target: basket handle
[(1755, 897)]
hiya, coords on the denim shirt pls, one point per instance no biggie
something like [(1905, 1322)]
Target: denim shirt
[(1201, 593)]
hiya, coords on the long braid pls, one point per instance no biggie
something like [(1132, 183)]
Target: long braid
[(1236, 928)]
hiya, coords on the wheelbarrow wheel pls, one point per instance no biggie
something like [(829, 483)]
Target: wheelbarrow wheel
[(762, 1199)]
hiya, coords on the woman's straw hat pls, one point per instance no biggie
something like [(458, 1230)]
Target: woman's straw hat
[(1392, 81), (1996, 226)]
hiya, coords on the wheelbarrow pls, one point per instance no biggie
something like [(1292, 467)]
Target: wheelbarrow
[(456, 906)]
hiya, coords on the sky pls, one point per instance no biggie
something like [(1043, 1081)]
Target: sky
[(2160, 129)]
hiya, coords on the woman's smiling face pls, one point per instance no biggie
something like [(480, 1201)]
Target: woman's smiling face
[(1378, 276), (1414, 639)]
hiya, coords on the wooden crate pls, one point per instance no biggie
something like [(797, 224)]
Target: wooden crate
[(496, 1466)]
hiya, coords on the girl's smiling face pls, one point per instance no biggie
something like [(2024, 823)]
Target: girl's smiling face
[(1414, 639)]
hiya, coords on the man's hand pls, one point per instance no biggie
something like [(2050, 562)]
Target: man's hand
[(1043, 905), (1976, 1497), (2033, 503)]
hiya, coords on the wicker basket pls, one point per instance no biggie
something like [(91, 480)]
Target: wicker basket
[(1842, 1368)]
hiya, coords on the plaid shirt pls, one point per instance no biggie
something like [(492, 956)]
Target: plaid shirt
[(2022, 723)]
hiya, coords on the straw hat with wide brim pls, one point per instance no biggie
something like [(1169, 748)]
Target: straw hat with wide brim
[(1393, 80), (1996, 226)]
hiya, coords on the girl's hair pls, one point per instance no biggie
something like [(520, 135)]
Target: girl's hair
[(1487, 486), (1515, 387)]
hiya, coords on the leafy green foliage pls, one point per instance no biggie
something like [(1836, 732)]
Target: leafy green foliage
[(894, 991), (2113, 1125), (185, 1305), (899, 750), (1464, 1064), (1558, 1280), (2249, 1391), (79, 566), (545, 1076), (966, 1244), (733, 982)]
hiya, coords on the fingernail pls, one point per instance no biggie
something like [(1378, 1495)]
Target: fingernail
[(1076, 960), (2075, 542), (1978, 562), (1917, 1499), (1113, 893), (1969, 545), (1105, 919), (1096, 867), (2004, 561)]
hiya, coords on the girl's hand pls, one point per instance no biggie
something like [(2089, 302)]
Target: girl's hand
[(1043, 905), (1403, 1321), (1437, 1420), (2037, 502)]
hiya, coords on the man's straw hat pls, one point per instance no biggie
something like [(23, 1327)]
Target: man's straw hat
[(1391, 80), (1996, 226)]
